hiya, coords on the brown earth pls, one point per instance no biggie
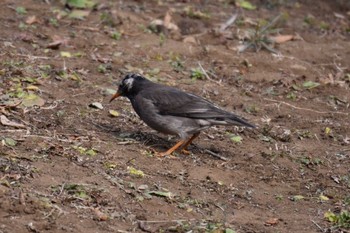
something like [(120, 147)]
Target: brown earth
[(71, 167)]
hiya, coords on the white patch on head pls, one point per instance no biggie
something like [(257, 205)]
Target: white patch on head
[(129, 82)]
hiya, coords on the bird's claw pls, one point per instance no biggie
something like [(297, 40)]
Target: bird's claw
[(164, 154)]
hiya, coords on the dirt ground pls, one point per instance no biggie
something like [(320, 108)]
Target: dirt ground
[(70, 161)]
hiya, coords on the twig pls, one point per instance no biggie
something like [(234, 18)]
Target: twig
[(229, 22), (61, 189), (166, 221), (319, 227), (88, 28), (206, 74), (279, 55), (33, 57), (305, 109), (54, 105), (216, 155)]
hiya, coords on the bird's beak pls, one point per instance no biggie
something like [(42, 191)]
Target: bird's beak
[(116, 95)]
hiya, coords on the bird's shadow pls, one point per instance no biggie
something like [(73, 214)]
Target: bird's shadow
[(145, 138), (152, 140)]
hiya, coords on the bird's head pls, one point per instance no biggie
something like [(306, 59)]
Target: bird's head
[(129, 86)]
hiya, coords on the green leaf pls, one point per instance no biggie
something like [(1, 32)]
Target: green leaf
[(21, 10), (310, 84), (245, 5), (236, 138), (228, 230), (79, 14), (116, 35), (85, 151), (10, 142), (135, 172), (297, 198), (330, 216), (102, 69), (197, 73), (90, 152), (81, 3)]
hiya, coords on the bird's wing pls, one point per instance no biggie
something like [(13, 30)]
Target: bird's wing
[(171, 101)]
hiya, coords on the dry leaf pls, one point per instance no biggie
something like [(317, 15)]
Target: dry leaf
[(54, 45), (57, 41), (167, 19), (7, 122), (282, 38), (100, 215), (31, 19), (298, 67), (190, 40), (32, 100), (271, 222)]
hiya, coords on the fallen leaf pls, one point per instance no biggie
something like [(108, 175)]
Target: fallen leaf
[(271, 222), (282, 38), (346, 140), (196, 13), (80, 3), (167, 19), (100, 215), (54, 45), (330, 216), (90, 152), (96, 105), (336, 179), (190, 40), (236, 138), (7, 122), (114, 113), (9, 142), (31, 20), (32, 100), (25, 37), (323, 198), (143, 187), (135, 172), (245, 5), (109, 91), (310, 84), (297, 198), (65, 54), (79, 14), (340, 16), (298, 67), (32, 88), (161, 194)]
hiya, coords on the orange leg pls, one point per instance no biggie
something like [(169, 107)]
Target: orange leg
[(172, 149), (194, 136)]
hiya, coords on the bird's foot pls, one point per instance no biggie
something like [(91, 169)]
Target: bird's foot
[(164, 154)]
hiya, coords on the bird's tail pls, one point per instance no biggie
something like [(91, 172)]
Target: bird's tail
[(235, 120)]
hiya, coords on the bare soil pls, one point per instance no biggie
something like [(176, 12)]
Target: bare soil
[(73, 167)]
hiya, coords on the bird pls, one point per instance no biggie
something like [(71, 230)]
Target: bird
[(172, 111)]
